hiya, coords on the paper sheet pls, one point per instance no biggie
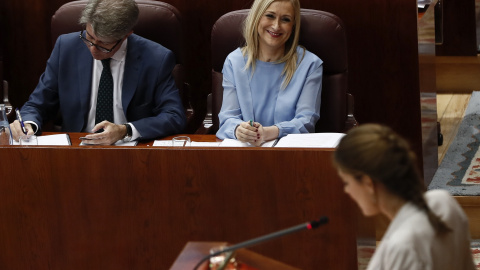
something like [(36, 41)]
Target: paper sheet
[(56, 139), (237, 143), (165, 143), (311, 140), (118, 143)]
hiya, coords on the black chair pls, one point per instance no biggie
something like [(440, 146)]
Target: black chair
[(4, 90), (323, 34)]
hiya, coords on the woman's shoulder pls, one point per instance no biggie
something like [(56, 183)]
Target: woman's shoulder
[(436, 194), (234, 62), (236, 55), (445, 206), (438, 199), (305, 56)]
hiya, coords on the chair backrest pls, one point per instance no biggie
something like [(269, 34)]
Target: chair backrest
[(158, 21), (4, 88), (322, 33)]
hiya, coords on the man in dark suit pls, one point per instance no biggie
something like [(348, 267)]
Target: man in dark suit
[(107, 80)]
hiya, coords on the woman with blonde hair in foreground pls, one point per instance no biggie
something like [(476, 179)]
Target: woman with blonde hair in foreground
[(428, 230)]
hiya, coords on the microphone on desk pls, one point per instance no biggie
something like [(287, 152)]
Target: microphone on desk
[(228, 250)]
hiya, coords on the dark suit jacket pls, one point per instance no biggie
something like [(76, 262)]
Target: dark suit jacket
[(150, 99)]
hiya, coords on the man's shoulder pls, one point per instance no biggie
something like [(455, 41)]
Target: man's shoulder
[(69, 37)]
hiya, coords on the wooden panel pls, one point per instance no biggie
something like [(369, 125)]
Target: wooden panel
[(383, 53), (471, 206), (458, 74), (459, 29), (26, 48), (135, 208)]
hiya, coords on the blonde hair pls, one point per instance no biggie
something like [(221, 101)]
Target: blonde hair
[(379, 152), (250, 33)]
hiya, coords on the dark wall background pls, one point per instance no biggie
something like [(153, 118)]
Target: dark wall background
[(382, 39)]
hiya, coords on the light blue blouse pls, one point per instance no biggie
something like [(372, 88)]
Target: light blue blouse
[(295, 109)]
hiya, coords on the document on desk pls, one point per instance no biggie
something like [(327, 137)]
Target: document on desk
[(118, 143), (192, 144), (205, 144), (237, 143), (311, 140), (51, 140)]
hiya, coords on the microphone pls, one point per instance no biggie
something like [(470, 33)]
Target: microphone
[(308, 225)]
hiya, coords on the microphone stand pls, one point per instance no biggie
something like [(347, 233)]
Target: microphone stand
[(308, 225)]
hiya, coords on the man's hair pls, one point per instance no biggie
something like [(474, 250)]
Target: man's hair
[(110, 18), (250, 33)]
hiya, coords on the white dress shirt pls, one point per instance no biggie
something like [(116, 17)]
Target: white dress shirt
[(117, 66)]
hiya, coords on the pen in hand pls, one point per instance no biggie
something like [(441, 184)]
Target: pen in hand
[(19, 118), (251, 123)]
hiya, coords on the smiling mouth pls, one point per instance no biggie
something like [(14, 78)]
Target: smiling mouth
[(274, 34)]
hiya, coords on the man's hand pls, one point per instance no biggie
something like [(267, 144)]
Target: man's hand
[(110, 135), (17, 131)]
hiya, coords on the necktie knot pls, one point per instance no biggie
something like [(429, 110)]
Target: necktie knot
[(106, 63)]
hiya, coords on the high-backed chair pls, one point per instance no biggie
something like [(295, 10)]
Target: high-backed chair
[(321, 33), (158, 21), (4, 89)]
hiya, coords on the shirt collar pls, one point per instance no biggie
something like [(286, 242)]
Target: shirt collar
[(122, 52)]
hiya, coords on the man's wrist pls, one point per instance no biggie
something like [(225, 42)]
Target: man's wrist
[(128, 133)]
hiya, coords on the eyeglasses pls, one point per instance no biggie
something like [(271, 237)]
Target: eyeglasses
[(100, 48)]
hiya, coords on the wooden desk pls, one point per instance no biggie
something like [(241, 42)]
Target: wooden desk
[(107, 207)]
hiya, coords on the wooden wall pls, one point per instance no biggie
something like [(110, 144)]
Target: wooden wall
[(459, 28), (382, 40)]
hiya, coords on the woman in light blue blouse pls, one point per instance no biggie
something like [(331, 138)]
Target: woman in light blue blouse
[(271, 80)]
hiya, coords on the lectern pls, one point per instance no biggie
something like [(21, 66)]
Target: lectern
[(193, 252)]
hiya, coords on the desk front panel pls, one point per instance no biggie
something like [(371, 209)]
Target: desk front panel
[(136, 208)]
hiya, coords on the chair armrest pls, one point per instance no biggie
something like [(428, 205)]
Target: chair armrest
[(207, 124), (8, 105)]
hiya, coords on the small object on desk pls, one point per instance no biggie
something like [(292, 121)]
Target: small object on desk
[(218, 262), (275, 142), (19, 118), (28, 140), (181, 141)]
